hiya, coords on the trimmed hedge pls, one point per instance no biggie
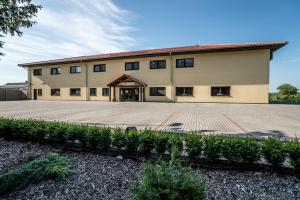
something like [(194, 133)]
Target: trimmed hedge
[(144, 143)]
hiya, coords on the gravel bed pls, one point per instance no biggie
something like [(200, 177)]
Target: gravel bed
[(108, 178)]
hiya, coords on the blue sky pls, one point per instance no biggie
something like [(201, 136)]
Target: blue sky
[(75, 27)]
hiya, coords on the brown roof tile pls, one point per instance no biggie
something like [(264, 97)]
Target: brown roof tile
[(273, 46)]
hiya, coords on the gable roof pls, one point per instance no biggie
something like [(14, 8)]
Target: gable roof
[(126, 77), (273, 46)]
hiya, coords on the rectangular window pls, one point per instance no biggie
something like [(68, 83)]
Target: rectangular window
[(157, 91), (157, 64), (132, 66), (186, 62), (40, 92), (220, 91), (37, 72), (55, 71), (93, 91), (184, 91), (100, 68), (75, 69), (74, 91), (55, 92), (105, 91)]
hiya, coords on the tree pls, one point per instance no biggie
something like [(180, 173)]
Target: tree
[(287, 89), (14, 15)]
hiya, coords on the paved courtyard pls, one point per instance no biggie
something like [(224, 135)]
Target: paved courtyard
[(209, 118)]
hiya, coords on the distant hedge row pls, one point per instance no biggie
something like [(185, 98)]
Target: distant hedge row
[(235, 150)]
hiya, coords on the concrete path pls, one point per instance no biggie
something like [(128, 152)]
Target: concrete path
[(209, 118)]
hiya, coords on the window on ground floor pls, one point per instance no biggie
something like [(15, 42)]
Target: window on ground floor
[(40, 92), (93, 91), (157, 91), (105, 91), (220, 91), (74, 91), (184, 91), (55, 92)]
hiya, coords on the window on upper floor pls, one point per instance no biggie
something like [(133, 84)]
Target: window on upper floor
[(74, 91), (220, 91), (55, 71), (55, 92), (40, 92), (105, 91), (157, 64), (132, 66), (157, 91), (100, 68), (93, 91), (37, 72), (185, 62), (184, 91), (75, 69)]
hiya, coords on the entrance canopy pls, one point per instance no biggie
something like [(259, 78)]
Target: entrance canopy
[(126, 80)]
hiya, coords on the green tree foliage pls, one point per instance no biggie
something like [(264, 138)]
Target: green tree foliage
[(14, 15), (287, 89)]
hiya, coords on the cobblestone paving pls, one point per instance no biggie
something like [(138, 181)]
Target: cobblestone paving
[(208, 118)]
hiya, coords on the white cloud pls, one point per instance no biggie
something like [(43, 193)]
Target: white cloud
[(68, 28)]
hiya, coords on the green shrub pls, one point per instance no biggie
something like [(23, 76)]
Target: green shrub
[(212, 147), (241, 150), (274, 151), (161, 142), (133, 141), (293, 150), (119, 138), (55, 132), (52, 166), (170, 181), (146, 142), (194, 145), (77, 132), (99, 138), (175, 140)]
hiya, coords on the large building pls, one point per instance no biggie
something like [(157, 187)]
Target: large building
[(237, 73)]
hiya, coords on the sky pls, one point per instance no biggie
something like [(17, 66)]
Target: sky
[(75, 27)]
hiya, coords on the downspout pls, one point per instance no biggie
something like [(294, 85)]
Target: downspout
[(87, 97), (172, 78)]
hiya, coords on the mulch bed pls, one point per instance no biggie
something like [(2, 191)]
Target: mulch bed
[(106, 177)]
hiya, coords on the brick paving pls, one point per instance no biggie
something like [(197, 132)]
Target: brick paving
[(207, 118)]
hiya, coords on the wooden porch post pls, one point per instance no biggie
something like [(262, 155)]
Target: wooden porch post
[(114, 95), (109, 93)]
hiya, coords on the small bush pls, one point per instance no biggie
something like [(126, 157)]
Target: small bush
[(146, 142), (119, 138), (77, 132), (170, 181), (212, 147), (194, 145), (175, 140), (133, 141), (274, 151), (52, 166), (161, 142), (293, 150), (241, 150), (55, 132), (99, 138)]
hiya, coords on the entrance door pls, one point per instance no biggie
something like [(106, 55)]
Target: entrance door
[(129, 94), (34, 94)]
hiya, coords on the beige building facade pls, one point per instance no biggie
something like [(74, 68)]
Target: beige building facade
[(235, 73)]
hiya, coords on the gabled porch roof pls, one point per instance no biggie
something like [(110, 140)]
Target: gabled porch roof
[(126, 78)]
